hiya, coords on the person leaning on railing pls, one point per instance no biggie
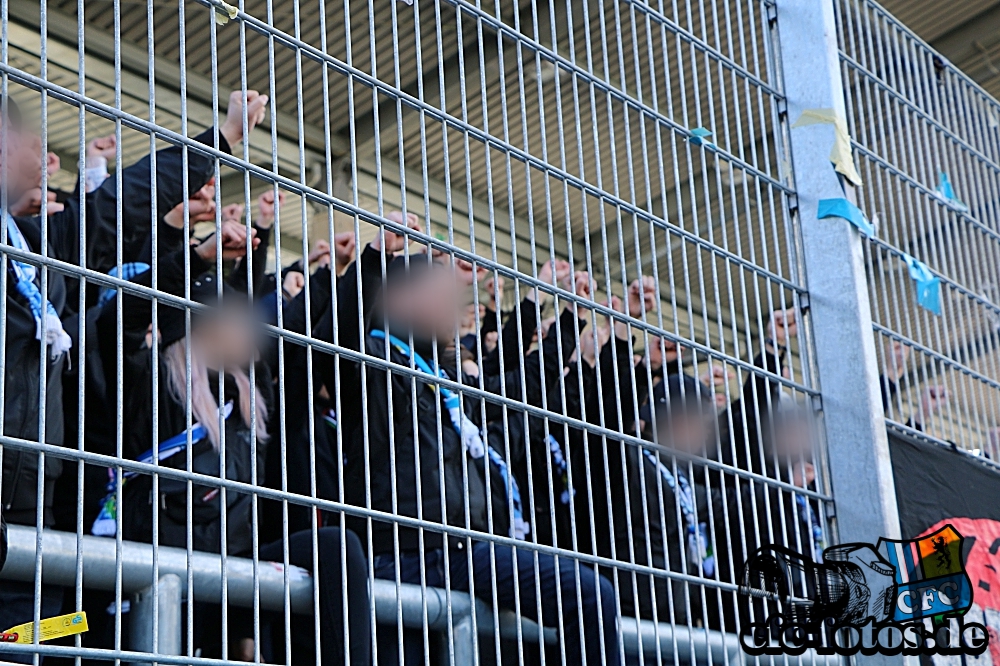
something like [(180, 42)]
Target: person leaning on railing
[(766, 431), (516, 348), (134, 234), (648, 507), (223, 355), (309, 431)]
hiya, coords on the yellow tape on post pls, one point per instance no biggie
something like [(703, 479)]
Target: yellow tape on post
[(840, 154), (48, 629)]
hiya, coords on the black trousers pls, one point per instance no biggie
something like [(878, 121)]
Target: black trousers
[(333, 626)]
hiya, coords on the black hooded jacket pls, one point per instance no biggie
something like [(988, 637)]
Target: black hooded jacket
[(310, 438), (417, 465), (22, 349), (171, 420)]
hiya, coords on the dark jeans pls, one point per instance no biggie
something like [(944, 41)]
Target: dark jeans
[(593, 597), (332, 625), (17, 606)]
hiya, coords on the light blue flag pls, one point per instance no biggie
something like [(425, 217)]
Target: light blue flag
[(699, 135), (947, 193)]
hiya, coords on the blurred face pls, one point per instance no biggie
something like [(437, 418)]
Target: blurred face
[(793, 440), (689, 431), (226, 338), (24, 166), (31, 159), (429, 304)]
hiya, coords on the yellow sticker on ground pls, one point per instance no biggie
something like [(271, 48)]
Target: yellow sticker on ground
[(48, 629)]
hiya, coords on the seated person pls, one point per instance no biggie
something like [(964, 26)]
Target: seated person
[(666, 519), (425, 457)]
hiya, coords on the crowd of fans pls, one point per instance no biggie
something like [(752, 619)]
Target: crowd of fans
[(432, 409)]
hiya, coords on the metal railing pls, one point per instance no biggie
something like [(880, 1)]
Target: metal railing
[(101, 566)]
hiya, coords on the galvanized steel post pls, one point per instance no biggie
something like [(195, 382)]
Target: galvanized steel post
[(165, 596), (840, 312)]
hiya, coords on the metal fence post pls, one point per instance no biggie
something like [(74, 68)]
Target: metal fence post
[(463, 642), (839, 313), (168, 630)]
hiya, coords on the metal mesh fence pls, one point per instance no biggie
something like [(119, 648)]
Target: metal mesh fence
[(925, 137), (457, 333)]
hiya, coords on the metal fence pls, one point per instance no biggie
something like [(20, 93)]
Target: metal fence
[(543, 412), (925, 137)]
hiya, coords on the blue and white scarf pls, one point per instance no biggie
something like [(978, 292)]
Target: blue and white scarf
[(561, 466), (129, 271), (810, 518), (106, 523), (56, 338), (699, 546), (472, 438)]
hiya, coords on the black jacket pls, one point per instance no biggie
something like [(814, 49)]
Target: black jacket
[(3, 541), (636, 515), (22, 377), (612, 404), (651, 530), (574, 488), (451, 486), (137, 224), (306, 446), (745, 429), (172, 420), (543, 377)]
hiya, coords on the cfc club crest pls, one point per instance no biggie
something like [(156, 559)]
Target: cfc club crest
[(930, 579)]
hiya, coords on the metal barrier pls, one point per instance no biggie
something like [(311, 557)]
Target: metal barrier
[(925, 138), (431, 605), (546, 312)]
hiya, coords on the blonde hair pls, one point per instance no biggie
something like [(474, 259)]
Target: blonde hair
[(204, 408)]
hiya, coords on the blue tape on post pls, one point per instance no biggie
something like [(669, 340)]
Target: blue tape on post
[(928, 284), (845, 209), (698, 135)]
